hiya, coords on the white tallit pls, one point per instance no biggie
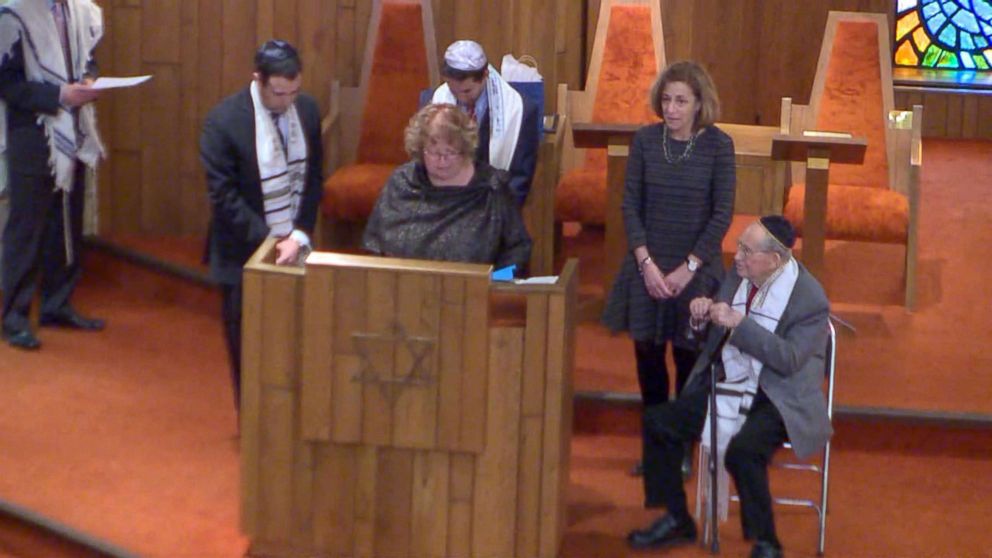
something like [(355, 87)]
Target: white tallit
[(742, 371), (282, 171), (506, 113), (31, 22)]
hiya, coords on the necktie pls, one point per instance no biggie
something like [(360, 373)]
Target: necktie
[(277, 120), (471, 112), (62, 25), (750, 296)]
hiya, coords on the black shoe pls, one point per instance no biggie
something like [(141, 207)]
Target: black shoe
[(69, 318), (765, 549), (637, 470), (22, 339), (666, 531)]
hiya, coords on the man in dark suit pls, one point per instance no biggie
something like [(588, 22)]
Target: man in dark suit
[(262, 152), (46, 47), (772, 371), (508, 121)]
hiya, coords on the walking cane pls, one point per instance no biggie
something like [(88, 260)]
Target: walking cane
[(714, 453)]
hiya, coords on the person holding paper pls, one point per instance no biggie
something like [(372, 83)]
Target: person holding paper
[(51, 140), (766, 330), (262, 152), (443, 205), (508, 121), (677, 206)]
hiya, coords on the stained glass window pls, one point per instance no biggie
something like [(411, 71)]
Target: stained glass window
[(951, 34)]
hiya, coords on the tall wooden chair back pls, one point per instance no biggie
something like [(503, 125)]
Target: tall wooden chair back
[(627, 55), (367, 122), (876, 201)]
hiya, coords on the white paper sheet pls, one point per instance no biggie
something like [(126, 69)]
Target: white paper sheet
[(539, 280), (115, 82)]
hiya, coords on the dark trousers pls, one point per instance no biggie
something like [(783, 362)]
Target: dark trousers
[(231, 313), (670, 426), (34, 242), (652, 370)]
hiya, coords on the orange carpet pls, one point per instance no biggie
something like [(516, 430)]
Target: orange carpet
[(128, 434)]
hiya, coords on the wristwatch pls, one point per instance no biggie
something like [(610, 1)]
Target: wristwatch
[(692, 264)]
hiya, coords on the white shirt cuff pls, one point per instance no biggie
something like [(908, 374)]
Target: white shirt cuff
[(300, 237)]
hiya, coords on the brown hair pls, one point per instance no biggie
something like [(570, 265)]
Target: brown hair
[(440, 121), (699, 80)]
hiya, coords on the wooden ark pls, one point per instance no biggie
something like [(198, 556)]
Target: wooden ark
[(404, 408)]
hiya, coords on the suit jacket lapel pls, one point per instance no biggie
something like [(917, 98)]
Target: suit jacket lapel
[(247, 116)]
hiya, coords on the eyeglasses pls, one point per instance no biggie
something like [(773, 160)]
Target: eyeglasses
[(746, 250), (442, 155)]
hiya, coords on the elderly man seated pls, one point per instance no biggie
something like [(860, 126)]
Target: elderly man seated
[(508, 133), (773, 314)]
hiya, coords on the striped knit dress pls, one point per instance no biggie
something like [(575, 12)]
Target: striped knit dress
[(674, 209)]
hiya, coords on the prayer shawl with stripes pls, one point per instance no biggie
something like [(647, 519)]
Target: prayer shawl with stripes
[(31, 22), (282, 171), (506, 113)]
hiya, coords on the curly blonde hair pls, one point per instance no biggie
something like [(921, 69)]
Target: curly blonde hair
[(444, 122), (699, 80)]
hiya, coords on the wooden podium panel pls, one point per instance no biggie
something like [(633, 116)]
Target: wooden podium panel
[(389, 367), (387, 411)]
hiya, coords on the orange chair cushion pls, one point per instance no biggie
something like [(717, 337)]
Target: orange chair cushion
[(350, 193), (627, 71), (581, 196), (852, 102), (398, 75), (856, 213)]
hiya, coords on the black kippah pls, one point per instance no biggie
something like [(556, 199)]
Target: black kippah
[(780, 228)]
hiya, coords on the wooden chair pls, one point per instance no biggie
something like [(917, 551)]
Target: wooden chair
[(364, 127), (852, 92), (627, 55)]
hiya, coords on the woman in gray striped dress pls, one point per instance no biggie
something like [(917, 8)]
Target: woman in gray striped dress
[(677, 206)]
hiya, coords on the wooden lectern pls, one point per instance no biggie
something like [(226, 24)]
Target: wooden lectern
[(760, 180), (817, 152), (403, 408)]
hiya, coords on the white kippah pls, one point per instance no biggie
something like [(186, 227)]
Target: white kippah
[(466, 56)]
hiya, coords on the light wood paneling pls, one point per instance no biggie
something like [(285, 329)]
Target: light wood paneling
[(349, 300), (393, 503), (160, 208), (377, 411), (950, 114), (192, 184), (418, 314), (496, 470), (160, 36)]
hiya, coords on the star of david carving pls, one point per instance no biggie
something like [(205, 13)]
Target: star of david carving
[(371, 347)]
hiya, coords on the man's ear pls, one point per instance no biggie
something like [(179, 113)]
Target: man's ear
[(779, 260)]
